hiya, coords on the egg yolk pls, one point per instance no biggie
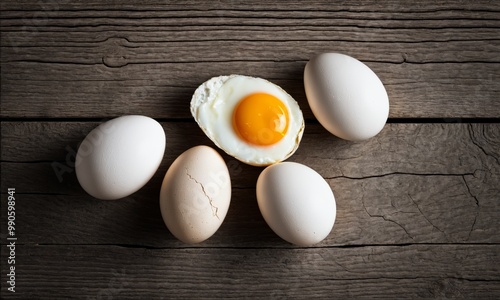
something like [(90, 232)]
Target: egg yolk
[(261, 119)]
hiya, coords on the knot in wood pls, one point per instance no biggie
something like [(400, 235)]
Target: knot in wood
[(116, 52)]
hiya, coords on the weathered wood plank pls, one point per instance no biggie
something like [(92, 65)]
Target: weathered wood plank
[(23, 35), (365, 6), (140, 36), (31, 22), (394, 209), (440, 149), (412, 183), (386, 272), (436, 60), (164, 90)]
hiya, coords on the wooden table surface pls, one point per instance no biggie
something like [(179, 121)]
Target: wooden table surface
[(418, 206)]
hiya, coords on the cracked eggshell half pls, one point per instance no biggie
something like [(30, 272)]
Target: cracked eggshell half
[(250, 118), (195, 194), (296, 202)]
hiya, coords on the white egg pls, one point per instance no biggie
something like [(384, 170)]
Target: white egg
[(346, 96), (249, 118), (296, 202), (120, 156)]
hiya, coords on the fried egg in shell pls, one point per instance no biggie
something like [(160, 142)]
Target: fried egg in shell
[(250, 118)]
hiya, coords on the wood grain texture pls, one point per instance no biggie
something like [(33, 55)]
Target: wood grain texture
[(365, 6), (154, 56), (388, 272), (412, 183), (418, 206)]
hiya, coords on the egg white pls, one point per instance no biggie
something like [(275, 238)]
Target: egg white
[(213, 104)]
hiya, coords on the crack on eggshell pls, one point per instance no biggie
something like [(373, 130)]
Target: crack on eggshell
[(210, 200)]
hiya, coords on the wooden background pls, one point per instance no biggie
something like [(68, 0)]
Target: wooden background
[(418, 205)]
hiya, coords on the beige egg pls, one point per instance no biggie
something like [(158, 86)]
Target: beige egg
[(195, 194)]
